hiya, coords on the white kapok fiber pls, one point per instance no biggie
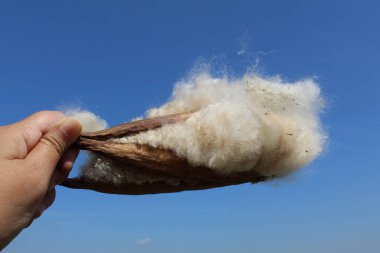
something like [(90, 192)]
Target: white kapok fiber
[(90, 122), (237, 125)]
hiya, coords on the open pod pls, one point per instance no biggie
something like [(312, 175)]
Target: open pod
[(153, 162)]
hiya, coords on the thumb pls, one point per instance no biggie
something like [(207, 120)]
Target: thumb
[(50, 148)]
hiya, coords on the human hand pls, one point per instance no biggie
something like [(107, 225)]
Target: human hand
[(35, 156)]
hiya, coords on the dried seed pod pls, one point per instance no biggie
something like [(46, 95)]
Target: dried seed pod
[(150, 161)]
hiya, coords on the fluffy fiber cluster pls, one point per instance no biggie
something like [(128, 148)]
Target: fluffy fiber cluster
[(251, 123), (90, 122)]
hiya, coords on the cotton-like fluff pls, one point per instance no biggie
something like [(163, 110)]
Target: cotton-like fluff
[(244, 124), (237, 125), (90, 122), (101, 168), (97, 167)]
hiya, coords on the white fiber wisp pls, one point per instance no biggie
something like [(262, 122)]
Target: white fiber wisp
[(237, 125), (90, 122)]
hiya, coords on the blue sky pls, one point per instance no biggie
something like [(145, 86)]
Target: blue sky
[(118, 58)]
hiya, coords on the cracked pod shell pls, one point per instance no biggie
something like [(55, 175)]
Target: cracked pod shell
[(154, 162)]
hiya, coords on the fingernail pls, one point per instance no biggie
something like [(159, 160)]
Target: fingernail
[(70, 127)]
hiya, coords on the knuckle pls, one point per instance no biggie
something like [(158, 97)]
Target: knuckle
[(39, 192), (54, 141)]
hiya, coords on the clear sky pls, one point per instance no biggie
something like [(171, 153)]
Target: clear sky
[(118, 58)]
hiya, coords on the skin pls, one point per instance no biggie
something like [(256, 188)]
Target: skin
[(35, 156)]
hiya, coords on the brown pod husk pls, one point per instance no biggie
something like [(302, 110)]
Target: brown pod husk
[(150, 161)]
